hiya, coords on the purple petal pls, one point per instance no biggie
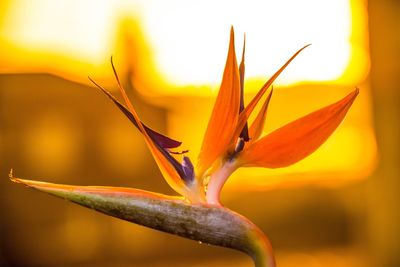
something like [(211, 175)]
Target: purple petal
[(162, 140), (188, 169), (245, 132)]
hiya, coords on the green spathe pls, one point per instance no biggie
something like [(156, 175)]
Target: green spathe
[(211, 224)]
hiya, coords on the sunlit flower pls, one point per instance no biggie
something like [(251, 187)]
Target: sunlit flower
[(230, 142)]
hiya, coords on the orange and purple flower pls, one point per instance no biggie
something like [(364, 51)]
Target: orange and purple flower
[(230, 142)]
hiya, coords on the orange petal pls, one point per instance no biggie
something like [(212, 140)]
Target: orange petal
[(245, 114), (169, 172), (224, 115), (298, 139), (258, 123)]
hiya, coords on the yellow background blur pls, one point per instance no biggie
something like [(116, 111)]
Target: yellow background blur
[(336, 208)]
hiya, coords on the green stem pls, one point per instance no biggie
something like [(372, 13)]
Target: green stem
[(261, 251), (211, 224)]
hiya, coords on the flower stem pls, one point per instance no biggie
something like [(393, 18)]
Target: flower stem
[(217, 181), (261, 252), (210, 224)]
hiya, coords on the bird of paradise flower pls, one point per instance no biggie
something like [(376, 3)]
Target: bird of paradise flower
[(230, 142)]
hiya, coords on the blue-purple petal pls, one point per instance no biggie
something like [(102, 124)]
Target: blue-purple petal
[(162, 140), (188, 169)]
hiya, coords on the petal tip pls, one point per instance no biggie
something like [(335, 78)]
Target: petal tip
[(12, 178), (15, 179), (352, 96), (356, 91), (232, 38)]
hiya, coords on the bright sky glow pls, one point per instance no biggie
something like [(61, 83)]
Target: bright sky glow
[(189, 39), (191, 47)]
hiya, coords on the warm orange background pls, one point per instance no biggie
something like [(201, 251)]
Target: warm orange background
[(57, 130)]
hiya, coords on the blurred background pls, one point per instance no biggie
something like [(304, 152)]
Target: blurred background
[(338, 207)]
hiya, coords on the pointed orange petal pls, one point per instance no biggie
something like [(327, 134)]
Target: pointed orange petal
[(298, 139), (224, 115), (245, 114), (169, 172), (121, 88), (258, 123)]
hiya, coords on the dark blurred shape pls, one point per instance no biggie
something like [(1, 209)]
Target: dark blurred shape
[(383, 219)]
